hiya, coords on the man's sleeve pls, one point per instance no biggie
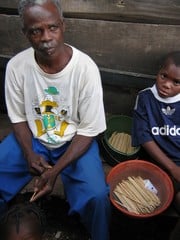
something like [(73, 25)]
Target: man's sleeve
[(14, 96), (91, 107)]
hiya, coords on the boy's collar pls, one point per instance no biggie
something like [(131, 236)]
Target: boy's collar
[(165, 100)]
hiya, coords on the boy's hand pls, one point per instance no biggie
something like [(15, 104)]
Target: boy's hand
[(175, 172)]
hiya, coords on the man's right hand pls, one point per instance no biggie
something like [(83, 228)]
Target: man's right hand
[(37, 164)]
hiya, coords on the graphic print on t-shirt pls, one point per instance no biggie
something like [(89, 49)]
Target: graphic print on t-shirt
[(168, 111), (51, 119)]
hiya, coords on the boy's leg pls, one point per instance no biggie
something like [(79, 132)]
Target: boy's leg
[(87, 192), (14, 173)]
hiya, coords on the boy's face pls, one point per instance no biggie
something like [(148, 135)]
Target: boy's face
[(168, 80)]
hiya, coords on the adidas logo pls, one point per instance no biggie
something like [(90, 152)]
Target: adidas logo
[(166, 131)]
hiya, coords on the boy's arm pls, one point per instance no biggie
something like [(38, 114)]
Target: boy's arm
[(160, 157), (141, 135)]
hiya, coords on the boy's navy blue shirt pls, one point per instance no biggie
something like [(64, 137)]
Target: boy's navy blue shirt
[(157, 119)]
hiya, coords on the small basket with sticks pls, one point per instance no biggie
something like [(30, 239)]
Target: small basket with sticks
[(116, 142), (139, 188)]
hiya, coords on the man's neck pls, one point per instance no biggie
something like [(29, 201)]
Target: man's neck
[(55, 64)]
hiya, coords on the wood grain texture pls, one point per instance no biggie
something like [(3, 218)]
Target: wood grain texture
[(154, 11), (120, 46)]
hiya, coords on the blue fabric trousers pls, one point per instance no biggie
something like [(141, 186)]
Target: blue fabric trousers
[(83, 180)]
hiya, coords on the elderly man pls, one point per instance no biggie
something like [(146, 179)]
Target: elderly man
[(55, 103)]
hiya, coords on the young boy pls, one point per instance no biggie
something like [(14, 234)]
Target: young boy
[(54, 99), (156, 120), (23, 221)]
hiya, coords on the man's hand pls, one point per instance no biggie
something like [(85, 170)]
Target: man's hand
[(37, 164), (44, 184)]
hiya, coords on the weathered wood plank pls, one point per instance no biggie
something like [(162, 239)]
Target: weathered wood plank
[(154, 11), (114, 45), (5, 127), (12, 39), (124, 46)]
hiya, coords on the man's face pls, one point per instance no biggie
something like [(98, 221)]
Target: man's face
[(168, 80), (44, 29)]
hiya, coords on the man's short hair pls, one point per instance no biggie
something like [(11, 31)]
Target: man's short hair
[(26, 3)]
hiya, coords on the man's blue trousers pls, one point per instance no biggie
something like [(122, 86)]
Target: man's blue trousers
[(83, 180)]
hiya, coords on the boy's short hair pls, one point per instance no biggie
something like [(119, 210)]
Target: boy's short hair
[(173, 56), (19, 214)]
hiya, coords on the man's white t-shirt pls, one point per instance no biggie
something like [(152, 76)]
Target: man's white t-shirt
[(56, 106)]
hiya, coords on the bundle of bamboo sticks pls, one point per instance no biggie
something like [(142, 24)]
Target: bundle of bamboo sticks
[(121, 142), (135, 197)]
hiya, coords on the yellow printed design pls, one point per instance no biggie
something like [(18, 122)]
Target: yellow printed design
[(39, 126), (63, 127), (51, 121)]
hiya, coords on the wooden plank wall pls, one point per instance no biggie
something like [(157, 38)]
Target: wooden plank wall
[(126, 38)]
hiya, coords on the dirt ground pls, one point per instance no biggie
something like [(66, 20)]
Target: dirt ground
[(60, 226)]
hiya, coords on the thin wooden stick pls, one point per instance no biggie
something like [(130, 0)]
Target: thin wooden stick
[(33, 196), (133, 195)]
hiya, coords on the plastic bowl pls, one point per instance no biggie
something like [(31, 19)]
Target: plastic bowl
[(146, 170), (121, 124)]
